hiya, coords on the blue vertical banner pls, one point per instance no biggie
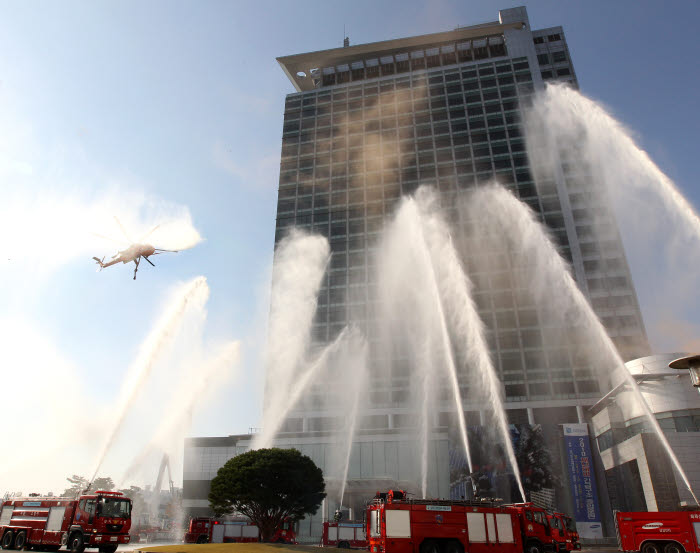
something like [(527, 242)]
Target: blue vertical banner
[(582, 480)]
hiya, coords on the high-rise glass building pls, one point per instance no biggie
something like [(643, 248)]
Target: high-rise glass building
[(371, 123)]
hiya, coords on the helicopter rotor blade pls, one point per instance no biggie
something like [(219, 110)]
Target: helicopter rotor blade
[(106, 238), (123, 231), (161, 250), (148, 234)]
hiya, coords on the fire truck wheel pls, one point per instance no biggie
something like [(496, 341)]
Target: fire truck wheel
[(76, 544), (453, 546), (651, 547), (430, 546), (202, 539), (673, 547), (8, 539), (20, 540), (343, 545), (534, 547)]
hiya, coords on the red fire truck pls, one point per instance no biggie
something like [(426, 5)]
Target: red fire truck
[(665, 532), (573, 540), (564, 534), (396, 524), (346, 535), (536, 532), (214, 530), (100, 519)]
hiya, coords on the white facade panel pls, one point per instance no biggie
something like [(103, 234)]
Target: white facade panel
[(379, 457), (365, 459)]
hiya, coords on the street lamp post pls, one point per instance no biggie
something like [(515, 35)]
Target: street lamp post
[(690, 363)]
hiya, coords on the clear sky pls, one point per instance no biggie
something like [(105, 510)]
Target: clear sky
[(154, 109)]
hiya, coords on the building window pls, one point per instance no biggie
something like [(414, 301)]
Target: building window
[(543, 59), (554, 37), (538, 40), (558, 57), (515, 391)]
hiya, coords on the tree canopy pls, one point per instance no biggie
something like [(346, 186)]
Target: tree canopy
[(79, 483), (268, 486)]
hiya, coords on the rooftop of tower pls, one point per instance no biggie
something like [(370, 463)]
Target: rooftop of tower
[(313, 69)]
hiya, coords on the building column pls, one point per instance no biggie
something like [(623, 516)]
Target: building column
[(579, 412)]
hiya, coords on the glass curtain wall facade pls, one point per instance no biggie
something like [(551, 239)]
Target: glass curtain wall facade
[(371, 123)]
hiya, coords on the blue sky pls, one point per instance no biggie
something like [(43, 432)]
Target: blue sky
[(176, 107)]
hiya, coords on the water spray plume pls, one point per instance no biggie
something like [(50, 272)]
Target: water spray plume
[(444, 336), (149, 353), (274, 421), (354, 369), (562, 115), (411, 321), (466, 324), (299, 265), (551, 278), (216, 369)]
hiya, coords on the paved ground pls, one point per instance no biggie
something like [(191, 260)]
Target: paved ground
[(136, 545), (179, 547), (246, 548)]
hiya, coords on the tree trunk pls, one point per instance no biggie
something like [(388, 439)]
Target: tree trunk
[(267, 530)]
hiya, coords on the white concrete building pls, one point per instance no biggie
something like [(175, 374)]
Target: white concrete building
[(639, 474)]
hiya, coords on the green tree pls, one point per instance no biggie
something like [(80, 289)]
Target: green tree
[(268, 486), (105, 483), (79, 483)]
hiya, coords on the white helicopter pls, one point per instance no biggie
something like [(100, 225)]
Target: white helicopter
[(134, 252)]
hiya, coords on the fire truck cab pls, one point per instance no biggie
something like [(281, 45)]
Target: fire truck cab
[(535, 528), (570, 532), (558, 532), (396, 524), (564, 535)]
